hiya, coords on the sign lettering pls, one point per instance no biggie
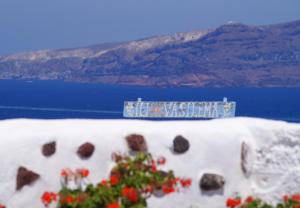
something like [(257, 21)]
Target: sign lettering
[(150, 109)]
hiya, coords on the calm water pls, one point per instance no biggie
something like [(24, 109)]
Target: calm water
[(56, 99)]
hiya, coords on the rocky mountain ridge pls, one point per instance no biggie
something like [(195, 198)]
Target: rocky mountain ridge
[(232, 55)]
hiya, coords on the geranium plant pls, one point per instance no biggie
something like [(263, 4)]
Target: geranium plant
[(251, 202), (132, 181)]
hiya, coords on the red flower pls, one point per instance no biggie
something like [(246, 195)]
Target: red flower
[(84, 172), (232, 203), (249, 199), (185, 183), (48, 197), (285, 198), (161, 160), (296, 197), (2, 206), (148, 189), (131, 194), (66, 173), (114, 180), (168, 189), (69, 199), (63, 173), (103, 182), (238, 201), (153, 166), (113, 205)]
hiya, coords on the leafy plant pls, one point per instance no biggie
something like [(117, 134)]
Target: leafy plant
[(251, 202), (132, 181)]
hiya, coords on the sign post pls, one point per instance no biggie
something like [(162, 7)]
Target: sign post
[(160, 109)]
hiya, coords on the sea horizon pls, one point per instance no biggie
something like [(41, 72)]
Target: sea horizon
[(58, 100)]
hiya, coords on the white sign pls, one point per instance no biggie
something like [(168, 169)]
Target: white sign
[(150, 109)]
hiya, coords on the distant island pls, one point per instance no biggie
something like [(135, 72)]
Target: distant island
[(232, 55)]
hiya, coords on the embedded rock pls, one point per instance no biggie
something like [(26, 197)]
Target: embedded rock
[(86, 150), (245, 158), (25, 177), (211, 182), (180, 144), (49, 149), (137, 143)]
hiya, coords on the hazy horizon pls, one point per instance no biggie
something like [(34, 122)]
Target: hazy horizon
[(37, 24)]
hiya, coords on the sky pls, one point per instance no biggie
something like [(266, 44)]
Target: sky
[(28, 25)]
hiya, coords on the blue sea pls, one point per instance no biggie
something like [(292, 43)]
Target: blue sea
[(58, 99)]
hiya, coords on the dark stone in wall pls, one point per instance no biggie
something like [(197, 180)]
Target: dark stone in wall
[(49, 149), (86, 150), (180, 144), (25, 177), (245, 159), (137, 143), (211, 182)]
